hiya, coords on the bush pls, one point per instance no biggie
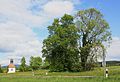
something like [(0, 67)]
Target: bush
[(90, 66), (76, 68), (1, 71), (24, 69)]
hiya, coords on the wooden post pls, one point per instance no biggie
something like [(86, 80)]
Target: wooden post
[(106, 75), (33, 74)]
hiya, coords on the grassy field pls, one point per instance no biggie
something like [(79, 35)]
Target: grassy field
[(59, 80), (40, 76)]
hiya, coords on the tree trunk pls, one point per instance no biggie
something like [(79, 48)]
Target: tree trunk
[(83, 61), (84, 53)]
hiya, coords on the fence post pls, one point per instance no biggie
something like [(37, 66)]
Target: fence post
[(106, 73), (33, 74)]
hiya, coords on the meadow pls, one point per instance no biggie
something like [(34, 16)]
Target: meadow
[(96, 75), (61, 79)]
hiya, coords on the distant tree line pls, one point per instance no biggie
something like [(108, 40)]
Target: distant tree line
[(34, 64)]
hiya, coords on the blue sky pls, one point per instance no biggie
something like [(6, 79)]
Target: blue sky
[(23, 24)]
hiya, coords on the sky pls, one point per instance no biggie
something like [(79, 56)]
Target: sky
[(23, 25)]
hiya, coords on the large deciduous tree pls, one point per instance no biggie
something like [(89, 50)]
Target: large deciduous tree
[(61, 47), (94, 32)]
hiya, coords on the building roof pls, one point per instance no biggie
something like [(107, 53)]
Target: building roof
[(11, 66)]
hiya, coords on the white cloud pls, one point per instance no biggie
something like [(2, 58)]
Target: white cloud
[(17, 40), (18, 18), (23, 11), (18, 11), (58, 8), (114, 50)]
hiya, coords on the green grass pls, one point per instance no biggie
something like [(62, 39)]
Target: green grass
[(96, 72), (40, 76), (59, 80)]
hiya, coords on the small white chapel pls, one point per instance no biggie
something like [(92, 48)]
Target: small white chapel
[(11, 67)]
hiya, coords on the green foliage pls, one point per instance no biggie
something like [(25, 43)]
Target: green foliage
[(35, 62), (60, 48), (1, 71), (94, 32), (45, 64), (23, 66)]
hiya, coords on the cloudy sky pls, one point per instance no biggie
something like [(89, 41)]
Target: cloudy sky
[(23, 24)]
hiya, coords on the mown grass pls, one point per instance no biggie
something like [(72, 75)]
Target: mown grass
[(40, 76), (59, 79), (97, 72)]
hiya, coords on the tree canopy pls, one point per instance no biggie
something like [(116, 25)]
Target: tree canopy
[(94, 32), (60, 48)]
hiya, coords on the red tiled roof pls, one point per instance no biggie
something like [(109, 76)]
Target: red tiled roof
[(11, 66)]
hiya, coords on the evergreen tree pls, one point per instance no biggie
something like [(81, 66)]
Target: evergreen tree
[(23, 66)]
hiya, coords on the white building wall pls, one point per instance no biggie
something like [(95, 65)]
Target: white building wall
[(11, 70)]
